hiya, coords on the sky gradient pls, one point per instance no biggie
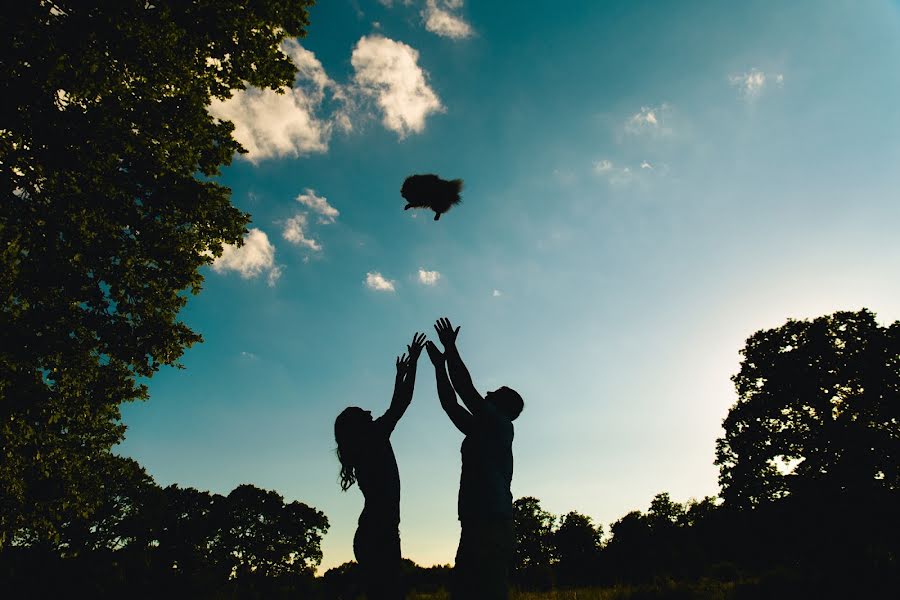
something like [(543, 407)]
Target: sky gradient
[(646, 185)]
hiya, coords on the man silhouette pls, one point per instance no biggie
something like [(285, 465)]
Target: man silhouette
[(485, 501)]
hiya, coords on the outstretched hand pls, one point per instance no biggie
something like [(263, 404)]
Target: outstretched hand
[(415, 348), (402, 365), (436, 356), (445, 332)]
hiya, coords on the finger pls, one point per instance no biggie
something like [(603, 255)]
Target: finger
[(457, 330)]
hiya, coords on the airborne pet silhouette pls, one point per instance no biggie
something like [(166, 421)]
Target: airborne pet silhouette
[(430, 191)]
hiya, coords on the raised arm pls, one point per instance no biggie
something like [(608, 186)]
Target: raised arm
[(458, 415), (459, 374), (404, 384)]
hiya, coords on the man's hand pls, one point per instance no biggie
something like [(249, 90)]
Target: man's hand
[(415, 348), (436, 356), (445, 332)]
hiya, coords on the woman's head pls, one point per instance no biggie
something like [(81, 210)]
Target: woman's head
[(349, 431)]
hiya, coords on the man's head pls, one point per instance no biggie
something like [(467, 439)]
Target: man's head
[(507, 400)]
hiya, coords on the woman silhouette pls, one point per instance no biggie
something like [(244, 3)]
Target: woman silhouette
[(367, 458)]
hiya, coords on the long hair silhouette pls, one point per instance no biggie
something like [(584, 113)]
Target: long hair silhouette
[(349, 432)]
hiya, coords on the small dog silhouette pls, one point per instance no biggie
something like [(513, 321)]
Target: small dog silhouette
[(430, 191)]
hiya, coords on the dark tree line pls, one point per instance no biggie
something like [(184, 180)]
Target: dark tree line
[(147, 540)]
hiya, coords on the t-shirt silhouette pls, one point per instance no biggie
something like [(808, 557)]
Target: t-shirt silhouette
[(487, 466)]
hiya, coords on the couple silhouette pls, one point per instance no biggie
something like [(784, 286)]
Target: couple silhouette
[(485, 501)]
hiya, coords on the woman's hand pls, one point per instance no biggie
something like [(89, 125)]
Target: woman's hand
[(415, 348)]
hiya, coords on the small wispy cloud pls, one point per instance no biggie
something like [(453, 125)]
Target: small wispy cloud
[(496, 293), (752, 83), (603, 166), (376, 281), (440, 20), (649, 120), (388, 72), (319, 205), (428, 277), (255, 257), (617, 174), (295, 232)]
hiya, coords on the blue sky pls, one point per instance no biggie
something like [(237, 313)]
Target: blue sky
[(646, 185)]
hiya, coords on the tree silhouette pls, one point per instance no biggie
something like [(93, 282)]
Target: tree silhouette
[(817, 409), (533, 553), (576, 546), (262, 535), (104, 223)]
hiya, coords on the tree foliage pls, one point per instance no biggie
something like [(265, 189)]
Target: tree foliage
[(104, 222), (142, 537), (576, 549), (533, 550), (818, 409)]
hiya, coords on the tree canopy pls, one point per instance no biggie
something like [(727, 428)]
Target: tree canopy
[(108, 213), (818, 409)]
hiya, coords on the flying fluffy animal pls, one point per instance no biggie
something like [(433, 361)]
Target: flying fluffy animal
[(430, 191)]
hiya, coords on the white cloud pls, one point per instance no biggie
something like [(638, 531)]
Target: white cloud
[(614, 174), (319, 205), (603, 166), (274, 275), (255, 257), (497, 293), (650, 119), (646, 165), (376, 281), (270, 124), (295, 233), (439, 20), (752, 83), (388, 72), (428, 277)]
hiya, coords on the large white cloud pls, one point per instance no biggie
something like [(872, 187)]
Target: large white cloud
[(255, 257), (388, 72), (271, 124), (439, 20), (376, 281), (295, 233), (319, 205)]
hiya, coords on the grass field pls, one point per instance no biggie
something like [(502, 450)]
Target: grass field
[(703, 590)]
